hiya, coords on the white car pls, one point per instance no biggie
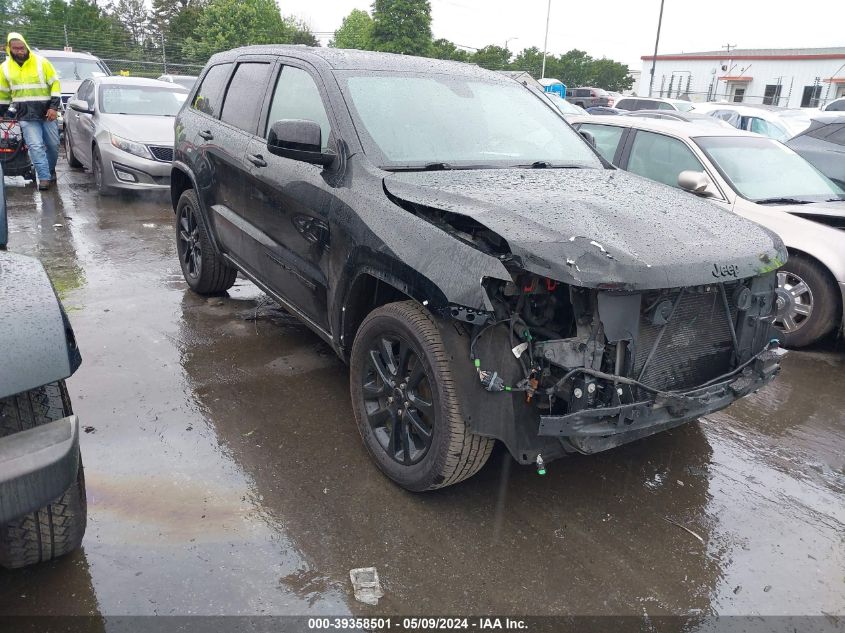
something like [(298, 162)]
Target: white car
[(778, 123), (653, 103), (760, 179), (837, 105)]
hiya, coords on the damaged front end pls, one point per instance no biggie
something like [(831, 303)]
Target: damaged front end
[(583, 370)]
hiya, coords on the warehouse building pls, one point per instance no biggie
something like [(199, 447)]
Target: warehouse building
[(789, 77)]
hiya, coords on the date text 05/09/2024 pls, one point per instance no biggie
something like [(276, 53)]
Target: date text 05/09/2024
[(417, 624)]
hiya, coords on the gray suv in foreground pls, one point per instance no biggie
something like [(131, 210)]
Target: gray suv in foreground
[(483, 271)]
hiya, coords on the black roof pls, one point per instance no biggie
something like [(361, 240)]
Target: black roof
[(348, 59)]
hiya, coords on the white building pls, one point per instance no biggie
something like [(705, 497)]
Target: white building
[(790, 77)]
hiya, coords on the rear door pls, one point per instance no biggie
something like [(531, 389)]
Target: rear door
[(239, 117), (290, 201)]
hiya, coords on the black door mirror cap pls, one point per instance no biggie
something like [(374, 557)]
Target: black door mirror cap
[(298, 139)]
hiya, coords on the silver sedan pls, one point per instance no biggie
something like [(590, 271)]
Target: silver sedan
[(121, 128)]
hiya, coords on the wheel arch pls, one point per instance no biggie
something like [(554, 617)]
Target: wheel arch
[(181, 180), (839, 294)]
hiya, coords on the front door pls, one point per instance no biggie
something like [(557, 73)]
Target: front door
[(290, 201), (80, 126)]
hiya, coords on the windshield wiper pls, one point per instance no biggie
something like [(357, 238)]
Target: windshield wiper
[(544, 164), (782, 201), (436, 167)]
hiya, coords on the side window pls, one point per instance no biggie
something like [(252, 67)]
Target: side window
[(583, 92), (244, 97), (625, 104), (297, 97), (661, 158), (607, 138), (662, 105), (210, 93), (767, 128), (838, 106)]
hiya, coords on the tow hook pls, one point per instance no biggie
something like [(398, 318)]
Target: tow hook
[(541, 465)]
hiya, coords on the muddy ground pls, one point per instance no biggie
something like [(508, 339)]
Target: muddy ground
[(225, 474)]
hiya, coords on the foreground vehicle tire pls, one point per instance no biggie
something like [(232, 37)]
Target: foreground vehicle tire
[(810, 299), (97, 167), (72, 160), (57, 528), (204, 270), (406, 404)]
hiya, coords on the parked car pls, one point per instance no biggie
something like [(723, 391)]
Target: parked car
[(653, 103), (469, 255), (678, 115), (73, 68), (589, 97), (121, 128), (837, 105), (606, 110), (43, 512), (823, 145), (760, 179), (777, 123), (566, 109), (186, 81)]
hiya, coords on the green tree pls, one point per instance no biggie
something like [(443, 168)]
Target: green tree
[(610, 75), (355, 31), (444, 49), (135, 18), (225, 24), (530, 60), (402, 26), (492, 57)]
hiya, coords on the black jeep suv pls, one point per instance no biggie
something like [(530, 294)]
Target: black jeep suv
[(486, 275)]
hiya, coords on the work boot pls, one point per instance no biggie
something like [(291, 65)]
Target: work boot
[(53, 176), (43, 185)]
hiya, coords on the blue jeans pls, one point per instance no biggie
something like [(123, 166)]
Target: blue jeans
[(42, 138)]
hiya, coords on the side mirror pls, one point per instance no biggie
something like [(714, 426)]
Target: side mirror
[(588, 137), (695, 182), (298, 139), (80, 106)]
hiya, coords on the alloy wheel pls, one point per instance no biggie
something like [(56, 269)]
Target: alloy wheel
[(190, 249), (794, 302), (398, 398)]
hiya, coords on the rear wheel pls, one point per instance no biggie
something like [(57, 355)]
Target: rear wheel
[(406, 403), (72, 160), (808, 302), (57, 528), (204, 270)]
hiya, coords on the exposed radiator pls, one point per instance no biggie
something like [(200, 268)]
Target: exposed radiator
[(696, 346)]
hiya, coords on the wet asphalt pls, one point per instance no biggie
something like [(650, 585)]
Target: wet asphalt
[(226, 476)]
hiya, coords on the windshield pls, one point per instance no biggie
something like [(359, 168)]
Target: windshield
[(186, 81), (683, 106), (759, 169), (77, 68), (146, 100), (416, 120)]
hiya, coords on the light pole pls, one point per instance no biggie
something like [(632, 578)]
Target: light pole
[(546, 42), (656, 42), (510, 39)]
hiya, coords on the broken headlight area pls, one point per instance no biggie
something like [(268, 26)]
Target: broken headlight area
[(599, 367)]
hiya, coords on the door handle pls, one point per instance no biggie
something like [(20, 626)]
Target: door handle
[(207, 135), (257, 160)]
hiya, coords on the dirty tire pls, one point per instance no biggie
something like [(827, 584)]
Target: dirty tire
[(454, 454), (97, 167), (57, 528), (72, 160), (206, 273), (826, 301)]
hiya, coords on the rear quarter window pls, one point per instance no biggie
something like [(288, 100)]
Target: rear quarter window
[(209, 96)]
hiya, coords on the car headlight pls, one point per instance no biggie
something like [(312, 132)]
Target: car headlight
[(130, 147)]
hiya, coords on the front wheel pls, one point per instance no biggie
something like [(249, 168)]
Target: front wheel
[(97, 167), (58, 527), (808, 302), (406, 403)]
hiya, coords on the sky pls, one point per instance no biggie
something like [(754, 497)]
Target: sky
[(623, 30)]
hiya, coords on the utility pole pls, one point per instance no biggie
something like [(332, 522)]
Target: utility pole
[(510, 39), (163, 53), (656, 42), (728, 47), (67, 44), (546, 42)]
